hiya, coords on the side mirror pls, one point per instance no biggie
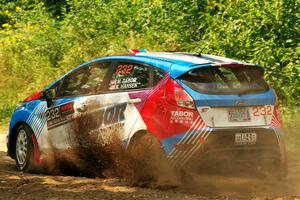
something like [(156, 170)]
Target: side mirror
[(48, 95)]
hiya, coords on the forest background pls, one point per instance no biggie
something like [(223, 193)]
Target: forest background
[(43, 39)]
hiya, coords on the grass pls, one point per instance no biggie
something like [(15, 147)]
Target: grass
[(5, 114), (291, 120)]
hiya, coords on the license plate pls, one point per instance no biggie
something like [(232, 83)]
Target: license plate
[(245, 138), (239, 115)]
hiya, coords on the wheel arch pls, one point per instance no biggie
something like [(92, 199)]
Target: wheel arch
[(137, 135)]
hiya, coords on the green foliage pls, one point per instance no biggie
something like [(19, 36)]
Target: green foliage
[(290, 116), (42, 39)]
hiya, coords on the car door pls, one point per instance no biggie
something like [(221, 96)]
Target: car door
[(117, 111), (69, 102), (130, 82)]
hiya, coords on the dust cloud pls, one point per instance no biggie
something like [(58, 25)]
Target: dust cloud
[(98, 155), (101, 153)]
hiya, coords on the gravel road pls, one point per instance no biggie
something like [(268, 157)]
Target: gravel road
[(18, 185)]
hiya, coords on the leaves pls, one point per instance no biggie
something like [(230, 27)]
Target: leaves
[(41, 40)]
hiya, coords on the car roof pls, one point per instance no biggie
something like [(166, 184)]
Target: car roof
[(176, 63)]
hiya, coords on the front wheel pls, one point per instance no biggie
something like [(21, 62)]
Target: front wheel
[(24, 148)]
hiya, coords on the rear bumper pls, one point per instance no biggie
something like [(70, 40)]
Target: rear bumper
[(241, 154), (220, 147)]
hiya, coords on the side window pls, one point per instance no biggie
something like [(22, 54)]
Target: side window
[(84, 81), (97, 73), (157, 76), (128, 76)]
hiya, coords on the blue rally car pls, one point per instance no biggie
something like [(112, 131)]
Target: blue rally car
[(196, 107)]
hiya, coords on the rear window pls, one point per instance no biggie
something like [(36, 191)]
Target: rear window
[(226, 80)]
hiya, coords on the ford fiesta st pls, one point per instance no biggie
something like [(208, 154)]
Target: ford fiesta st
[(195, 106)]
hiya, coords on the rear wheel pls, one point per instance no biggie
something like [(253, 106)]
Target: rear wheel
[(149, 162), (24, 148), (144, 151), (146, 144)]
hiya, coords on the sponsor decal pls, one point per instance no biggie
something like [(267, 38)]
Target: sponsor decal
[(182, 117), (109, 115), (104, 117), (59, 115)]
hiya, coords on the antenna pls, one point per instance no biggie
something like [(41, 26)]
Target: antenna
[(199, 53)]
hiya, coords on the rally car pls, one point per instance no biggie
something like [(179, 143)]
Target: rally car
[(197, 107)]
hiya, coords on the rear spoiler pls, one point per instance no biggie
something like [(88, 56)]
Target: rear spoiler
[(178, 70)]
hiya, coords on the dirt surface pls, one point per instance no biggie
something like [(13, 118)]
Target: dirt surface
[(18, 185)]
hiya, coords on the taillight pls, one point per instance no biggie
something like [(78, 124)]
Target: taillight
[(177, 96), (277, 114), (34, 96)]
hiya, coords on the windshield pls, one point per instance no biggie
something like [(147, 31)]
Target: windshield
[(226, 80)]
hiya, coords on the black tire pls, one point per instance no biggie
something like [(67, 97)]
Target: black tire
[(145, 151), (24, 149), (146, 143), (151, 167)]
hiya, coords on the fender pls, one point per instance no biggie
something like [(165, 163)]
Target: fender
[(20, 116), (133, 137)]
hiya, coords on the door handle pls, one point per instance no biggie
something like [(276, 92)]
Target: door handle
[(137, 100), (82, 107)]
